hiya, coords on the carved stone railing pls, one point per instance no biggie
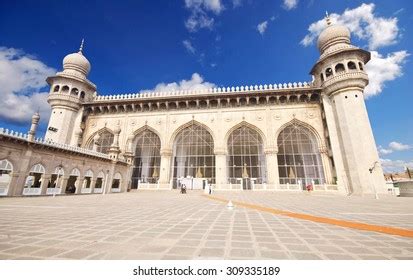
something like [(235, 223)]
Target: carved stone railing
[(32, 191), (49, 143), (218, 90)]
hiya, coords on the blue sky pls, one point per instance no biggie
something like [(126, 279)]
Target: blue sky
[(137, 45)]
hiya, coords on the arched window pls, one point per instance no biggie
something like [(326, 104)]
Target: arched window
[(193, 154), (116, 181), (100, 180), (339, 68), (147, 161), (56, 89), (82, 95), (74, 92), (65, 89), (351, 65), (104, 142), (246, 159), (88, 179), (6, 169), (35, 176), (298, 157), (321, 77), (73, 181), (361, 66), (56, 179), (329, 72)]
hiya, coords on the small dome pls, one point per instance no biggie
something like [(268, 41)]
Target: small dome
[(36, 116), (76, 61), (332, 35)]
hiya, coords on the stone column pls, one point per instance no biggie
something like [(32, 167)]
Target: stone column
[(80, 182), (166, 155), (14, 185), (92, 185), (45, 183), (326, 165), (64, 184), (221, 175), (273, 177)]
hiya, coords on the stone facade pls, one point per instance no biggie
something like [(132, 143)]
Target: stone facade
[(293, 136)]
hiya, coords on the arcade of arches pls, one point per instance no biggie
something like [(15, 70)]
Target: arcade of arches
[(193, 159)]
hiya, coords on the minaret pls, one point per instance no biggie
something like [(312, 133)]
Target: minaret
[(68, 90), (341, 75), (33, 127)]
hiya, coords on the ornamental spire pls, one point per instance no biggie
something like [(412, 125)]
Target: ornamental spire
[(328, 20), (81, 45)]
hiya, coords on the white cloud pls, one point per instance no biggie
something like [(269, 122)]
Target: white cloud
[(363, 23), (188, 46), (195, 83), (396, 146), (262, 27), (22, 78), (391, 166), (290, 4), (383, 151), (383, 69), (199, 17)]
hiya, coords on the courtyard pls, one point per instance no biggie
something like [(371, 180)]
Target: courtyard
[(170, 225)]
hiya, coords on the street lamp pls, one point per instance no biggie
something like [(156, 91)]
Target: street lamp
[(371, 172), (59, 173)]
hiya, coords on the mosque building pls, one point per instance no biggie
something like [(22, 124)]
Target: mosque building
[(275, 137)]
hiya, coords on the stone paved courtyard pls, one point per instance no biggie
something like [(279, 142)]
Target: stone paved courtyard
[(168, 225)]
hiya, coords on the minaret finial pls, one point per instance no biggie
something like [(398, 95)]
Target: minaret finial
[(81, 46), (328, 20)]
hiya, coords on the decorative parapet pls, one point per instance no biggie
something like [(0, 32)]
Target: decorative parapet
[(241, 89), (24, 137)]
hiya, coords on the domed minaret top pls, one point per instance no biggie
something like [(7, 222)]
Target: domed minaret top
[(334, 37), (76, 63)]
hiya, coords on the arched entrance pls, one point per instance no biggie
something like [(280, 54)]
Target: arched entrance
[(34, 180), (72, 183), (104, 141), (100, 182), (116, 182), (56, 181), (193, 157), (147, 159), (6, 170), (87, 182), (246, 158), (299, 160)]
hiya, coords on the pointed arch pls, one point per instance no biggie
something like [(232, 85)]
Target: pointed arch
[(146, 148), (249, 125), (140, 130), (246, 158), (106, 140), (299, 158), (186, 125), (38, 168), (5, 164), (89, 173), (295, 121), (6, 171), (75, 172), (89, 141), (193, 153)]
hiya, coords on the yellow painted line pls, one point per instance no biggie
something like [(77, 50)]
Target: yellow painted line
[(323, 220)]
